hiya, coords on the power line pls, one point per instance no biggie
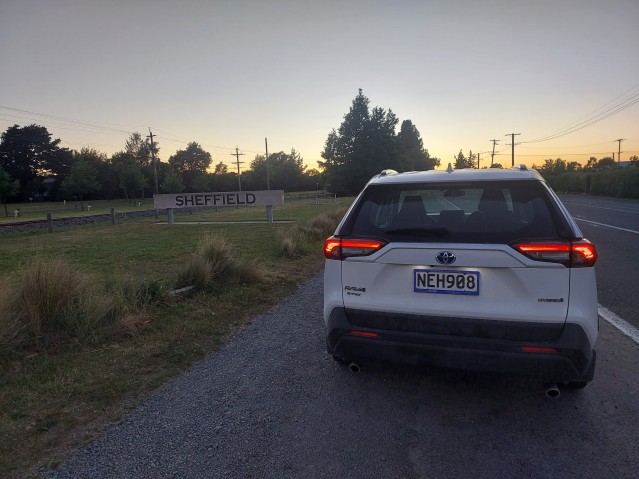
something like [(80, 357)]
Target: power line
[(591, 119), (73, 121), (541, 155), (85, 126)]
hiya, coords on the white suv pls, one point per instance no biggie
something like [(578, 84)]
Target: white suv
[(476, 269)]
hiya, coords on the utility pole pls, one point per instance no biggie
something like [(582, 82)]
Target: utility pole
[(237, 155), (268, 184), (155, 169), (512, 135), (492, 157), (619, 152), (478, 160)]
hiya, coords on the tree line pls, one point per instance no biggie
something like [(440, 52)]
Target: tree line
[(33, 167), (559, 166), (597, 177)]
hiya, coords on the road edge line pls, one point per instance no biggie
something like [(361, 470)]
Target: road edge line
[(622, 325)]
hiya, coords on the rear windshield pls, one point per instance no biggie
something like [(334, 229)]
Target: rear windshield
[(486, 212)]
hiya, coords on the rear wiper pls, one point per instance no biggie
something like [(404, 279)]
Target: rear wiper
[(420, 231)]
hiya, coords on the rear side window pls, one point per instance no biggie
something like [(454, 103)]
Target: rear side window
[(500, 212)]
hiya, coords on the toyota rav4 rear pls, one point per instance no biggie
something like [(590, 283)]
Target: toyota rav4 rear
[(475, 269)]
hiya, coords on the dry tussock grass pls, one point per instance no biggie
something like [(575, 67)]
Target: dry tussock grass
[(54, 303), (215, 264), (299, 240), (12, 331)]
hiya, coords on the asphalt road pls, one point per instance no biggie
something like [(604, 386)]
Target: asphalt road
[(613, 226), (271, 404)]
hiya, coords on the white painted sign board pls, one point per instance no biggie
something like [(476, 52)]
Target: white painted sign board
[(227, 198)]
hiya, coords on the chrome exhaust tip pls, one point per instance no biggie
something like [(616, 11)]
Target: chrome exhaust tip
[(552, 391), (354, 368)]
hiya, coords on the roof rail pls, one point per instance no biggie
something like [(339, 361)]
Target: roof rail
[(387, 172)]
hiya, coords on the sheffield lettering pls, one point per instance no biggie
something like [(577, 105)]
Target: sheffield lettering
[(217, 199)]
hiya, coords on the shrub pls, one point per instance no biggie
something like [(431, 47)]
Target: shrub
[(289, 248), (13, 331), (214, 264), (197, 273), (299, 240), (618, 182), (136, 293), (216, 250), (336, 215), (54, 303), (324, 223), (49, 292)]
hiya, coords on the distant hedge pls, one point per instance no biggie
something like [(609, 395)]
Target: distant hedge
[(619, 182)]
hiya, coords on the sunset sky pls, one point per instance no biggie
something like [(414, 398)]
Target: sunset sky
[(231, 73)]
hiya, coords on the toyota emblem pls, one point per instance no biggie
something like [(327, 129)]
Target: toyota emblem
[(445, 257)]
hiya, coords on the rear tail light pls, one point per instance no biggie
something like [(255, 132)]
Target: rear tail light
[(583, 254), (572, 255), (336, 248)]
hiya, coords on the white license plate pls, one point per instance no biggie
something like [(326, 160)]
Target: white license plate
[(446, 281)]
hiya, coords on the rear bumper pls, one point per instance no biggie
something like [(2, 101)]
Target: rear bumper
[(444, 343)]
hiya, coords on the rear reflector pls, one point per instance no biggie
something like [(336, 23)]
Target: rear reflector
[(336, 248), (573, 255), (365, 334), (537, 349)]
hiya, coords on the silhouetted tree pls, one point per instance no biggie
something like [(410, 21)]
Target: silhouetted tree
[(606, 162), (553, 167), (286, 172), (462, 162), (573, 166), (132, 180), (82, 179), (221, 168), (8, 188), (591, 164), (412, 154), (26, 153), (191, 163), (364, 145), (139, 148), (170, 182)]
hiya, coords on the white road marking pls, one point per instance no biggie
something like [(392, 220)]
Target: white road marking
[(607, 226), (601, 207), (623, 326)]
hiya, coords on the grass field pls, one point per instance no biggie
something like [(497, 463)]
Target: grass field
[(39, 210), (56, 396)]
